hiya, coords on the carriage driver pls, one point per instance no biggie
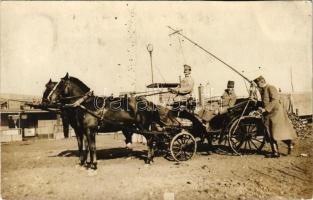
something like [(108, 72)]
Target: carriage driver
[(183, 93)]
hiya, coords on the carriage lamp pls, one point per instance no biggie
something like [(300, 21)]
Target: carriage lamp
[(150, 49)]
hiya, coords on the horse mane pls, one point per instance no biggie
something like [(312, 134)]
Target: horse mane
[(80, 84)]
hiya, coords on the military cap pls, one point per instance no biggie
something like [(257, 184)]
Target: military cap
[(230, 84), (187, 67), (260, 78)]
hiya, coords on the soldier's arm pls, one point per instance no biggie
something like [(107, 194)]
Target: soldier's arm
[(224, 95), (232, 100), (273, 93)]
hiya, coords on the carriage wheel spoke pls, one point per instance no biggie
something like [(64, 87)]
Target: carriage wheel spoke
[(237, 142), (188, 140), (254, 144), (178, 141), (176, 148), (256, 140), (240, 144), (245, 147), (178, 154), (249, 144)]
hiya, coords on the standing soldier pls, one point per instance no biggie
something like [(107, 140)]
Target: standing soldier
[(276, 121)]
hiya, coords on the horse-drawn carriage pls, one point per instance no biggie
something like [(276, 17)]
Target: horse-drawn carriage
[(172, 133), (240, 130)]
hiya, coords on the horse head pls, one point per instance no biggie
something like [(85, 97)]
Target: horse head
[(67, 87), (49, 86)]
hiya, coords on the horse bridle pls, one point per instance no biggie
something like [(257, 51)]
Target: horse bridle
[(53, 90), (66, 98)]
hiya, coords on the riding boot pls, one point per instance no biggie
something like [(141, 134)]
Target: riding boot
[(290, 147), (275, 153)]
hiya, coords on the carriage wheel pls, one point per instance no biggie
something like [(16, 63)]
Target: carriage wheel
[(183, 146), (246, 135)]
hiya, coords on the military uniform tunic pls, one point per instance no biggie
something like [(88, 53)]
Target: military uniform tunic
[(228, 99), (185, 89), (277, 121)]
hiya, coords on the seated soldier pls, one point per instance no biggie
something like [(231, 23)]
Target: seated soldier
[(228, 99), (183, 93)]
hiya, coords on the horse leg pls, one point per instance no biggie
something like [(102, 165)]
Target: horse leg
[(86, 151), (66, 125), (79, 138), (128, 138), (91, 137), (151, 146)]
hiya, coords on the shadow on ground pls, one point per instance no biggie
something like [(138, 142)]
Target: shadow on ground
[(107, 154)]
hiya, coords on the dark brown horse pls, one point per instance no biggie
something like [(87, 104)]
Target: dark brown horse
[(103, 114), (68, 116)]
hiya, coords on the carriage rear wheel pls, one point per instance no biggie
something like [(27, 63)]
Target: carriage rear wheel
[(246, 135), (183, 146)]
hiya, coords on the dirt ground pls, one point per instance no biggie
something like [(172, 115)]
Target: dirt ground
[(47, 169)]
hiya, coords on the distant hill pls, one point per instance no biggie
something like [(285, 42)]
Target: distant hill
[(301, 101)]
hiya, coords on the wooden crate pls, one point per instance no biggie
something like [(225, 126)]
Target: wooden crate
[(10, 135), (29, 132)]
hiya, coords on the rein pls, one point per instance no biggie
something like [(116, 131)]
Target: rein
[(146, 95), (82, 98), (74, 97)]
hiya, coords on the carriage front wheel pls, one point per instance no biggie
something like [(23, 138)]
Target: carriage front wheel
[(183, 146), (246, 135)]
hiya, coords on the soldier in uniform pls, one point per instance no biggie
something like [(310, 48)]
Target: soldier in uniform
[(229, 97), (183, 93), (277, 122)]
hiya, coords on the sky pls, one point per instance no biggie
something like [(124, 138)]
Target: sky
[(104, 44)]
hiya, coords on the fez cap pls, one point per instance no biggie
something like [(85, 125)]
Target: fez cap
[(230, 84), (260, 78), (187, 67)]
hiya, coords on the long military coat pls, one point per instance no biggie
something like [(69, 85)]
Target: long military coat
[(277, 121)]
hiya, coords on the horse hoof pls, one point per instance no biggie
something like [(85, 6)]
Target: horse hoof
[(129, 146)]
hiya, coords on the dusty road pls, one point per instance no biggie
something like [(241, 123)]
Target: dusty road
[(46, 169)]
